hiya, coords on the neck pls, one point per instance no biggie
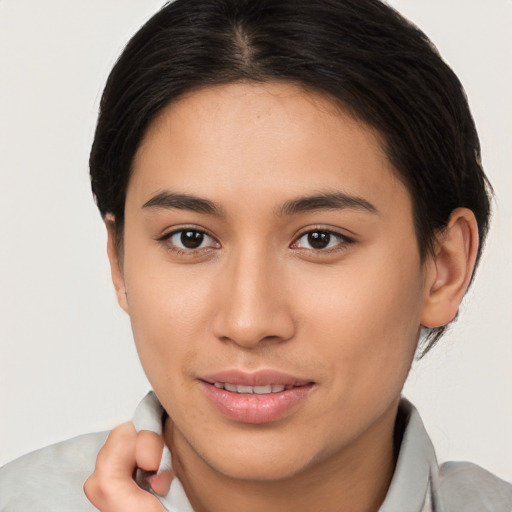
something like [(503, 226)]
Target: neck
[(354, 479)]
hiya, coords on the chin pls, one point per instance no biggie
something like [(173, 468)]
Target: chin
[(262, 462), (270, 469)]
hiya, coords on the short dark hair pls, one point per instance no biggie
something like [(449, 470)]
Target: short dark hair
[(363, 54)]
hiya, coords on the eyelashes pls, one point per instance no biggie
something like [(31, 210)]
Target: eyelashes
[(195, 241), (322, 240), (189, 241)]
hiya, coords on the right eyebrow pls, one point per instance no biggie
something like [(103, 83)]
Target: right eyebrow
[(171, 200)]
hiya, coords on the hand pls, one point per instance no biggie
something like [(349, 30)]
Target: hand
[(112, 488)]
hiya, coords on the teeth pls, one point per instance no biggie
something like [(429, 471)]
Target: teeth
[(248, 390), (262, 390), (244, 389)]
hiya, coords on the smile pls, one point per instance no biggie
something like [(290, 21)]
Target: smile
[(260, 397), (249, 390)]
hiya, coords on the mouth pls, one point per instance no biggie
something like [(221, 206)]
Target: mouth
[(250, 390), (260, 397)]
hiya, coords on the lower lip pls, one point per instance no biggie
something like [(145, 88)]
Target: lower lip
[(254, 408)]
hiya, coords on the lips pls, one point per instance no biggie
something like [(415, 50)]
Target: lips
[(249, 390), (254, 379), (259, 397)]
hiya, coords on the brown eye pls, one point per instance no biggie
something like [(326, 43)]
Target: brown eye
[(319, 240), (190, 239)]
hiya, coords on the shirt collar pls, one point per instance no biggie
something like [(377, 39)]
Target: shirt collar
[(414, 482)]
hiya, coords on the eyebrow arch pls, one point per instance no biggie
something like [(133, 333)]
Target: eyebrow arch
[(169, 200), (326, 201)]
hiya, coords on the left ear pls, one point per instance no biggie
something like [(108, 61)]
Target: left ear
[(449, 271)]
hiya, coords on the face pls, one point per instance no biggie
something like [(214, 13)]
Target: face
[(272, 277)]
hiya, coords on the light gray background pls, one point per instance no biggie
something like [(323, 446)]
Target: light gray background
[(67, 361)]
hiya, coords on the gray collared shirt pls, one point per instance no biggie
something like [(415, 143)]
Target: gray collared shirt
[(51, 479)]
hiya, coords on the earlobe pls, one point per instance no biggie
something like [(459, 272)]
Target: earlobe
[(115, 265), (449, 271)]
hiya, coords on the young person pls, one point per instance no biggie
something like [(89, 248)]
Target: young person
[(293, 194)]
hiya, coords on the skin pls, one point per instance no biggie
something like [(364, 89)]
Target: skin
[(112, 488), (257, 295)]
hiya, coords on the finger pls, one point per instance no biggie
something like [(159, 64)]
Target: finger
[(111, 487), (148, 450), (152, 455), (134, 499), (116, 460), (161, 483)]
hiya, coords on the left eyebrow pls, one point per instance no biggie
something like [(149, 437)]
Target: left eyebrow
[(326, 201)]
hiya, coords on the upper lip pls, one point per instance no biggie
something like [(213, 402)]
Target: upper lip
[(258, 378)]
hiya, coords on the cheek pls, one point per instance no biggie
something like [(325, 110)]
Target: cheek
[(367, 322), (169, 313)]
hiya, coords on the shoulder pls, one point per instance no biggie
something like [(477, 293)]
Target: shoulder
[(52, 478), (466, 486)]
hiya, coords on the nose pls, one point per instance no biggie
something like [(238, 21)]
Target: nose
[(253, 306)]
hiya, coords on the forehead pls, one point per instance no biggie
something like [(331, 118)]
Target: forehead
[(244, 142)]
